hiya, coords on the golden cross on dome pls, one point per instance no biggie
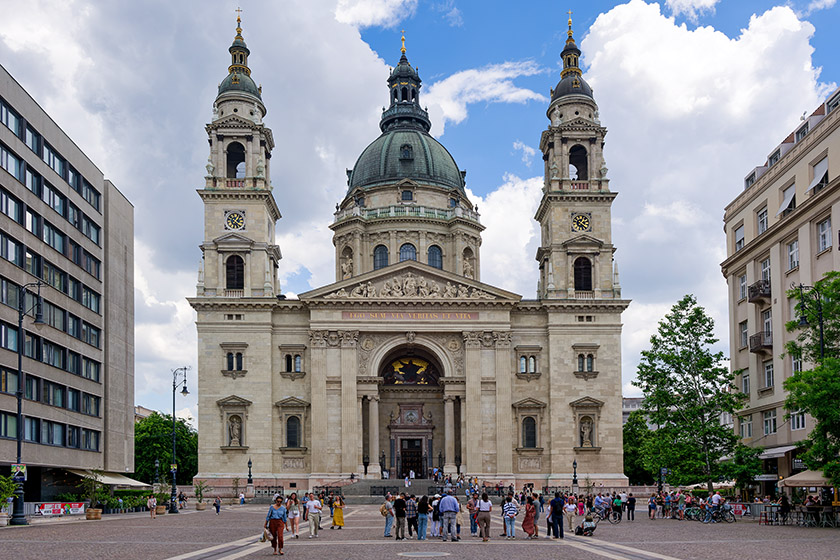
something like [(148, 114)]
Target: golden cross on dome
[(402, 50), (238, 11)]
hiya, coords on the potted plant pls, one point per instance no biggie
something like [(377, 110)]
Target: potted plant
[(7, 490), (162, 500), (94, 491), (200, 487)]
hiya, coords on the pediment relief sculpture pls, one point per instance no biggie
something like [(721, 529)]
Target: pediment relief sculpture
[(411, 286)]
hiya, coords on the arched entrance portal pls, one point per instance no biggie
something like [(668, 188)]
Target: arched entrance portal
[(411, 396)]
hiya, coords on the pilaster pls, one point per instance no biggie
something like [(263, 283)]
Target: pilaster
[(318, 388), (504, 443), (350, 426), (472, 367)]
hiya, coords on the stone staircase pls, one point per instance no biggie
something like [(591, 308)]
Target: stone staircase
[(372, 491)]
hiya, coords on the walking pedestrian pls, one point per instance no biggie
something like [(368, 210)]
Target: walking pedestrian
[(411, 516), (217, 503), (293, 513), (399, 514), (484, 509), (436, 516), (151, 503), (569, 511), (422, 517), (313, 510), (241, 498), (448, 508), (631, 507), (275, 522), (338, 513), (556, 506), (472, 504), (528, 524), (652, 507)]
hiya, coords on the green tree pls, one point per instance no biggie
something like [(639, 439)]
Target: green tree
[(687, 389), (814, 391), (636, 434), (153, 440), (744, 466)]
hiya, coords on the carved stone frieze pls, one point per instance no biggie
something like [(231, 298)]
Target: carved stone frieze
[(472, 339), (411, 286), (333, 339), (318, 339), (233, 374), (488, 340), (503, 339), (349, 338), (369, 342)]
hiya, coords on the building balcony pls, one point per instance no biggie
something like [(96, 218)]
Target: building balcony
[(234, 293), (578, 185), (761, 342), (406, 211), (584, 294), (759, 291)]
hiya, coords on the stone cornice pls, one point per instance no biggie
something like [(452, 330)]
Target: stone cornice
[(235, 194), (562, 197)]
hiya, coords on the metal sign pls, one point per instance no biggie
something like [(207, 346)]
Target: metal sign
[(173, 467), (19, 472), (766, 477)]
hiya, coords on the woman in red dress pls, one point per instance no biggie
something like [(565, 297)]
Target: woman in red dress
[(528, 524)]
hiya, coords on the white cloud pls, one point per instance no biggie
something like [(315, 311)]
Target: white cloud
[(448, 98), (507, 253), (451, 14), (528, 152), (689, 113), (691, 8), (368, 13), (817, 5)]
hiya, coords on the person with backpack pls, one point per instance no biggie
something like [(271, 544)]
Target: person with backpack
[(436, 516), (387, 511)]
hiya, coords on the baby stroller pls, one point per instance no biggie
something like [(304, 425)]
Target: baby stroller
[(587, 527)]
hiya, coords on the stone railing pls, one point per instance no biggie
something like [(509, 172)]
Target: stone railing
[(406, 211)]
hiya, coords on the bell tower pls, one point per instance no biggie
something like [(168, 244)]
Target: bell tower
[(576, 252), (240, 256)]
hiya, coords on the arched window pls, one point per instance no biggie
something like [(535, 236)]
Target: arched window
[(298, 362), (239, 361), (230, 361), (235, 272), (581, 360), (583, 274), (435, 257), (579, 162), (413, 94), (408, 252), (522, 362), (405, 94), (529, 432), (288, 362), (590, 362), (293, 431), (396, 96), (235, 160), (380, 257), (532, 365)]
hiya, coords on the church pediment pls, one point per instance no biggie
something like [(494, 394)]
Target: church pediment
[(583, 241), (233, 242), (586, 402), (410, 280), (233, 400), (292, 402), (529, 403), (231, 121)]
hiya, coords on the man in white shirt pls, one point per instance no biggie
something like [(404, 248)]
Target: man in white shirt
[(313, 508), (623, 496)]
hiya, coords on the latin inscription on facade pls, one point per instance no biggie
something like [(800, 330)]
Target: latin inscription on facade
[(409, 315)]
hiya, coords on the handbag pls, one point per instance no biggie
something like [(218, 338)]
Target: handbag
[(266, 535)]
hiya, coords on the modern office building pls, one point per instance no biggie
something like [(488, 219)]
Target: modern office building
[(64, 225), (780, 231)]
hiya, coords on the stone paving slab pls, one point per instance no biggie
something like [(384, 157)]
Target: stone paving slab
[(193, 535)]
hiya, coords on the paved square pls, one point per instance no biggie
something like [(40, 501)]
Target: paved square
[(194, 535)]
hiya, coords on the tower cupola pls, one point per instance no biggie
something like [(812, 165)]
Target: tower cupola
[(404, 90), (239, 74), (571, 78)]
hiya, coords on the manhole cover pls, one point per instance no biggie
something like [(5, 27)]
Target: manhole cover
[(423, 554)]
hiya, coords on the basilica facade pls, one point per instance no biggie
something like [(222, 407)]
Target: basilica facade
[(408, 361)]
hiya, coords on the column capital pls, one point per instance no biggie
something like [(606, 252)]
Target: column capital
[(472, 339), (349, 338), (318, 339), (373, 398), (449, 398), (502, 338)]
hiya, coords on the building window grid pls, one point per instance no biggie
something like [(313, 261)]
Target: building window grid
[(797, 420), (744, 332), (793, 254), (746, 426), (742, 286), (762, 221), (769, 380), (823, 235), (745, 382), (769, 422)]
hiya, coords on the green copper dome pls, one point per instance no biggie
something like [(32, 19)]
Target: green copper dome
[(405, 150), (406, 154), (236, 81)]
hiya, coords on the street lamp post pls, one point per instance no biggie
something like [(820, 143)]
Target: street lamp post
[(157, 469), (250, 478), (817, 306), (176, 373), (18, 513), (574, 477)]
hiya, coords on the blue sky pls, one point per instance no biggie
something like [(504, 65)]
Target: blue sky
[(695, 93)]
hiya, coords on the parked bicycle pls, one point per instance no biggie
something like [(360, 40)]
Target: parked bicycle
[(610, 514)]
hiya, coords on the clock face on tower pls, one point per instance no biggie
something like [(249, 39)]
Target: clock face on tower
[(581, 222), (235, 220)]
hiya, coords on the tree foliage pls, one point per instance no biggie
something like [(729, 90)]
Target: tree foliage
[(687, 389), (814, 391), (636, 435), (153, 440), (744, 466)]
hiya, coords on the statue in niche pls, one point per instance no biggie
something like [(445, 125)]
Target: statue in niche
[(468, 269), (586, 432), (261, 168), (257, 114), (235, 431), (347, 268), (555, 117), (215, 112), (210, 167)]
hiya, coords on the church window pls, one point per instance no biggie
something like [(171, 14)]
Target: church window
[(293, 431), (453, 203), (581, 362), (435, 257), (529, 432), (407, 196), (380, 257), (578, 163), (229, 361), (288, 362), (408, 252), (522, 364), (235, 273), (396, 96), (405, 94), (406, 152), (583, 275), (298, 363), (590, 362), (235, 161), (532, 364), (414, 94), (239, 361)]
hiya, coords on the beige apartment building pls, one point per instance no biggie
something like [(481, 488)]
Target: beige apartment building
[(780, 231), (64, 225), (408, 361)]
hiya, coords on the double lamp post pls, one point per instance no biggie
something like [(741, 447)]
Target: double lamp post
[(179, 378)]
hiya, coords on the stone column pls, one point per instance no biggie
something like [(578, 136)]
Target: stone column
[(373, 437), (472, 366), (504, 441), (350, 428), (360, 451), (318, 389), (449, 434)]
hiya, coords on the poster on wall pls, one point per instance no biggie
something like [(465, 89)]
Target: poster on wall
[(63, 508)]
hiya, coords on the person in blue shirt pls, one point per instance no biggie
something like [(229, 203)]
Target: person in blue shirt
[(449, 507), (556, 506), (275, 522)]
